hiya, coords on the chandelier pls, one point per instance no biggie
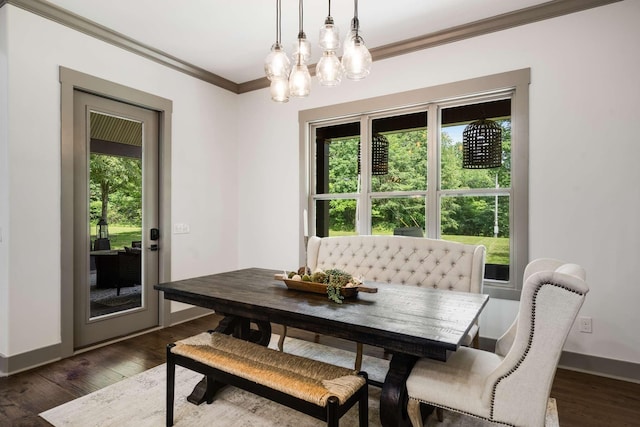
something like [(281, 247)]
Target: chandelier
[(295, 80)]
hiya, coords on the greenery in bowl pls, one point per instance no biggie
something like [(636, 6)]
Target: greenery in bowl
[(334, 278)]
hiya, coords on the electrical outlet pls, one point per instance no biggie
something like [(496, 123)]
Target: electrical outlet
[(585, 324)]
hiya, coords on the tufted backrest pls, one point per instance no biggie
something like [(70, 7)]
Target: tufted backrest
[(412, 261), (518, 389)]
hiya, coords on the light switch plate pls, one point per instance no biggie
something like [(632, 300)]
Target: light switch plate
[(180, 228)]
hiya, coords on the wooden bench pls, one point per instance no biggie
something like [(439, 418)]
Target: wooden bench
[(318, 389)]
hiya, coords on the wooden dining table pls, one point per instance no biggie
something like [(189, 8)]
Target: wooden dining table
[(409, 322)]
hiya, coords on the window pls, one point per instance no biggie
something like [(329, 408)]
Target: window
[(408, 177), (475, 203)]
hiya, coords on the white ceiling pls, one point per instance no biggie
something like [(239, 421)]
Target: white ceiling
[(231, 38)]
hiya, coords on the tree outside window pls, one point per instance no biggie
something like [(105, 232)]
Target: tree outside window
[(473, 204)]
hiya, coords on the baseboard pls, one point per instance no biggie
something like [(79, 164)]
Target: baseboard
[(10, 365), (618, 369), (594, 365), (487, 344), (188, 314)]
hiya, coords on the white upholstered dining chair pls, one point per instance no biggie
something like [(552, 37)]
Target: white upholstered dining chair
[(512, 385)]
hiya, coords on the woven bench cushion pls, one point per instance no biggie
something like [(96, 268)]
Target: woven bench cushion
[(306, 379)]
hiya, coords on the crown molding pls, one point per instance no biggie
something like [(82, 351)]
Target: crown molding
[(551, 9), (76, 22)]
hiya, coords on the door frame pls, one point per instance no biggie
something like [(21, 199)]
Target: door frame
[(71, 80), (90, 330)]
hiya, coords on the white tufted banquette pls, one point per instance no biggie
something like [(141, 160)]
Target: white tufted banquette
[(415, 261)]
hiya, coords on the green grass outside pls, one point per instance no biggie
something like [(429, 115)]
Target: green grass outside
[(497, 247), (121, 235)]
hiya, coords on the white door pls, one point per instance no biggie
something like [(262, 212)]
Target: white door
[(115, 209)]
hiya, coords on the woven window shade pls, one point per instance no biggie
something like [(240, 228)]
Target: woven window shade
[(379, 155), (482, 145)]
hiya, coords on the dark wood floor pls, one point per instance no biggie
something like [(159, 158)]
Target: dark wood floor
[(583, 400)]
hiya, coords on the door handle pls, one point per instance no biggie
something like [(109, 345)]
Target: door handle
[(153, 247)]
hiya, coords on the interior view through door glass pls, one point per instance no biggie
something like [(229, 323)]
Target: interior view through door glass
[(115, 214)]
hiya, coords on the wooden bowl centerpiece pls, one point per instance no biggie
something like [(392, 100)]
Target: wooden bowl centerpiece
[(336, 284)]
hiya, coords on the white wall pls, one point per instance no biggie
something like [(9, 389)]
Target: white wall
[(4, 180), (203, 175), (584, 192)]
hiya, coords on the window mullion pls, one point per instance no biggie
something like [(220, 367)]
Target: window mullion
[(433, 172), (364, 201), (502, 191)]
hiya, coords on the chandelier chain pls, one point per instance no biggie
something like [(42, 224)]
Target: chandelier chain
[(356, 21), (300, 15), (278, 20)]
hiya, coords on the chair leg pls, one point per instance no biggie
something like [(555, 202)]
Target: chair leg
[(333, 419), (413, 409), (363, 409), (440, 414), (282, 337), (475, 343), (171, 381), (358, 362)]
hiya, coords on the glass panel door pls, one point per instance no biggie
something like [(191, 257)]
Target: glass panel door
[(115, 209)]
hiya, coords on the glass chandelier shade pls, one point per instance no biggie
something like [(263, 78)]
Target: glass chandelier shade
[(329, 35), (276, 64), (280, 89), (357, 60), (302, 47), (300, 80), (329, 69), (351, 35)]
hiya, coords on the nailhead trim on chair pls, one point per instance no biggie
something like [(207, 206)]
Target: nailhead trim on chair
[(463, 412), (526, 351)]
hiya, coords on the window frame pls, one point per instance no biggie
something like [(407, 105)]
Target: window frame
[(512, 84)]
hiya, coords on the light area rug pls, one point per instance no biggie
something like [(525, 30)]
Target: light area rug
[(139, 401)]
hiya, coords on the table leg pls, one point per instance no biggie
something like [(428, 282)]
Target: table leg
[(239, 327), (393, 398)]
